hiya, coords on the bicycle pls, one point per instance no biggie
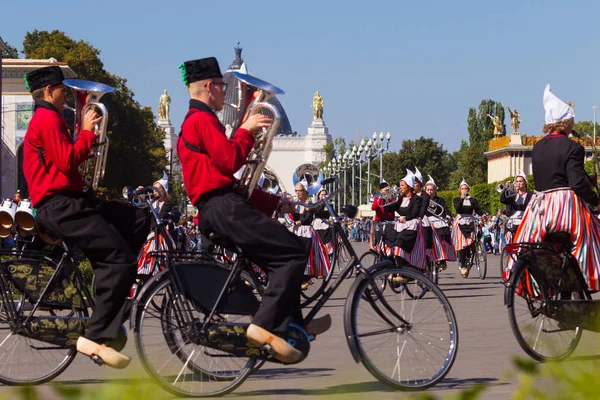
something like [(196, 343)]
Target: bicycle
[(505, 257), (476, 255), (548, 301), (194, 296)]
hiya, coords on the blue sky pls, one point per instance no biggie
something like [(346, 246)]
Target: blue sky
[(410, 68)]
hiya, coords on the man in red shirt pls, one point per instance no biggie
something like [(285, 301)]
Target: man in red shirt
[(208, 161), (109, 233)]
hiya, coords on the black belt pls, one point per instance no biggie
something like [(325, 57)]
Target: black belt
[(206, 197), (73, 195)]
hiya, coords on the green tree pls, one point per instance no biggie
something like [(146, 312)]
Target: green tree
[(10, 52), (425, 153), (470, 160), (136, 155)]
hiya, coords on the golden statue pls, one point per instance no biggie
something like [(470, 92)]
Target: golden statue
[(514, 120), (164, 105), (498, 128), (317, 107)]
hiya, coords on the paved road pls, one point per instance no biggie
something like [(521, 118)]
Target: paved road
[(486, 349)]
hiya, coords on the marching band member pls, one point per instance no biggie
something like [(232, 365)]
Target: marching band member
[(464, 229), (321, 222), (517, 204), (441, 236), (562, 191), (109, 232), (406, 240), (318, 262), (380, 215), (208, 161)]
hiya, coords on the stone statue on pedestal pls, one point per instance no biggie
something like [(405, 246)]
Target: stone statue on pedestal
[(514, 120), (164, 105), (498, 128), (317, 107)]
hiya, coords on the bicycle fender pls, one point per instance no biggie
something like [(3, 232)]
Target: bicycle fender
[(350, 339), (520, 263), (140, 296)]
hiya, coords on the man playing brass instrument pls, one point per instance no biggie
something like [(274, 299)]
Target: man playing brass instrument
[(208, 161), (109, 233)]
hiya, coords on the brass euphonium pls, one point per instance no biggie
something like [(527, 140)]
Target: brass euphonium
[(86, 95), (253, 96)]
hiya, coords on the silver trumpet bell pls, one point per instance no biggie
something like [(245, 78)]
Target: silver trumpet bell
[(87, 94), (311, 176), (508, 189), (435, 208)]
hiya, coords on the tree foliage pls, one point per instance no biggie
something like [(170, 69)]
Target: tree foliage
[(428, 155), (470, 159), (10, 52), (136, 154)]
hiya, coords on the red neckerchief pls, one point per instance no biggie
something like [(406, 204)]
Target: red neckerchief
[(554, 135)]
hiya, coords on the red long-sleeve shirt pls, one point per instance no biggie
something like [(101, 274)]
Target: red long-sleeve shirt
[(209, 159), (50, 158), (381, 215)]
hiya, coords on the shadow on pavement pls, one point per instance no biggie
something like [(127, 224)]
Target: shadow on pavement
[(365, 387), (466, 296), (292, 373)]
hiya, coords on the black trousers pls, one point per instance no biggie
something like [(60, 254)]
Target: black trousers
[(110, 233), (267, 243)]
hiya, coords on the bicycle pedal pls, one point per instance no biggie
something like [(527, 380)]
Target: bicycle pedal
[(267, 351), (99, 362)]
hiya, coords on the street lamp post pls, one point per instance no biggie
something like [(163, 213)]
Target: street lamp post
[(368, 153), (354, 151), (360, 154), (381, 149), (345, 164)]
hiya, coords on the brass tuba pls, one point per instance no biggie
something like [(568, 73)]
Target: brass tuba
[(86, 95), (253, 96), (271, 182)]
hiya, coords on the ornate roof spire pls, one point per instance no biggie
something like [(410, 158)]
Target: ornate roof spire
[(237, 59)]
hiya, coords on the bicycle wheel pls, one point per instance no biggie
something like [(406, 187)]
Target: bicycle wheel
[(28, 361), (178, 364), (407, 356), (312, 287), (435, 273), (541, 337), (481, 260), (369, 258)]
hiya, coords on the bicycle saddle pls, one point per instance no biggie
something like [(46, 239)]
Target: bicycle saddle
[(222, 241), (561, 240)]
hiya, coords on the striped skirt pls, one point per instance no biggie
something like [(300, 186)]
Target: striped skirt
[(318, 254), (416, 256), (561, 210), (318, 258), (152, 264), (461, 239), (439, 247)]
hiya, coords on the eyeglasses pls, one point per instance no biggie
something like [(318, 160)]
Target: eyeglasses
[(299, 191), (221, 83)]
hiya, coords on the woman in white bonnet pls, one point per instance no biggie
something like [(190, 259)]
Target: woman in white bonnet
[(563, 191)]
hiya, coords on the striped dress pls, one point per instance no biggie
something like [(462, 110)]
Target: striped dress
[(561, 210), (406, 239), (464, 228)]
